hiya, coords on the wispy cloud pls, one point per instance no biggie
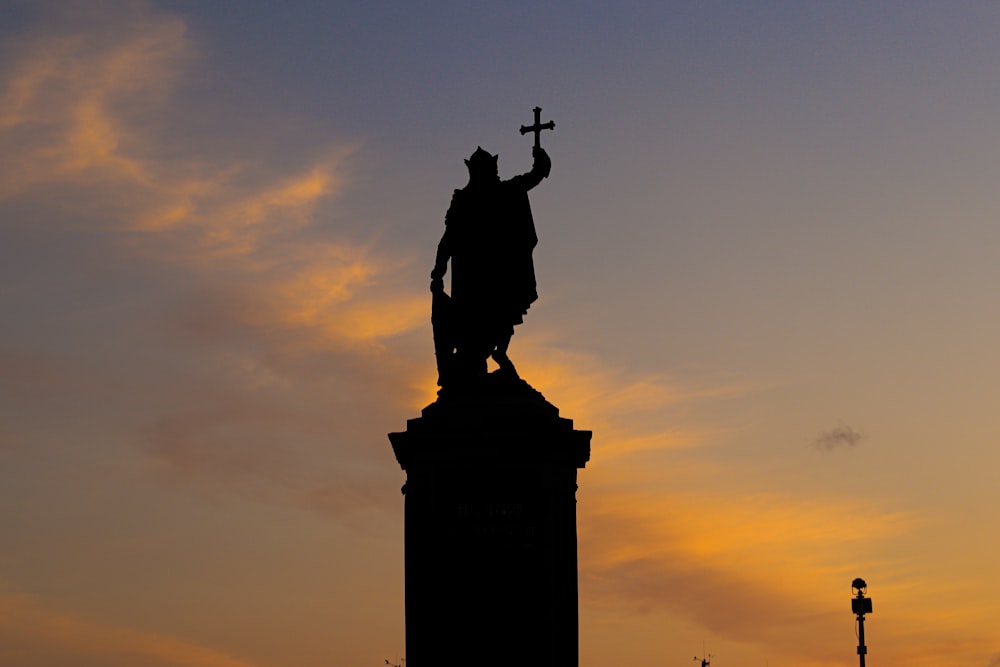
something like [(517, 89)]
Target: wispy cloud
[(837, 438), (47, 636), (259, 294), (738, 562), (738, 566), (627, 409), (70, 91)]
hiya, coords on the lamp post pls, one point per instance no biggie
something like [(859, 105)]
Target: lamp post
[(861, 605)]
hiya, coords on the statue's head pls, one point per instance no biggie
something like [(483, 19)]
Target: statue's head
[(482, 165)]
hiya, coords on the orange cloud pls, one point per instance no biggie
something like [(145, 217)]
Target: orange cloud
[(68, 91), (335, 294), (745, 565), (43, 633), (740, 567), (769, 570), (82, 109), (283, 321), (222, 220), (626, 409)]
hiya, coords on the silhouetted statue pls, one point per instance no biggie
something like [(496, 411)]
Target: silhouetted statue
[(489, 237)]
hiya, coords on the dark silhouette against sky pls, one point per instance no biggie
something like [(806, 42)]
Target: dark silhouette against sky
[(489, 238), (217, 221)]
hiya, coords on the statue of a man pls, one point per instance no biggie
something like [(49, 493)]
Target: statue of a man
[(489, 237)]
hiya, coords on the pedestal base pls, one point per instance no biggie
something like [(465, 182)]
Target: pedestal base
[(491, 563)]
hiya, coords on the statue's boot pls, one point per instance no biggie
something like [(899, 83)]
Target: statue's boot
[(506, 365)]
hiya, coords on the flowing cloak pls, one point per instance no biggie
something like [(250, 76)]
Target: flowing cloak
[(490, 236)]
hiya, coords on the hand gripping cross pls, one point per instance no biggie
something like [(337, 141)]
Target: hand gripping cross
[(538, 126)]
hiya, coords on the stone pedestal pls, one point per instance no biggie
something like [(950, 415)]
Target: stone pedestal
[(490, 523)]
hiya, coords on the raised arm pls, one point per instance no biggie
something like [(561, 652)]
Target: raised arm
[(540, 168)]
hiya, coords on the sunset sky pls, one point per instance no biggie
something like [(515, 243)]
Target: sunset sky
[(768, 283)]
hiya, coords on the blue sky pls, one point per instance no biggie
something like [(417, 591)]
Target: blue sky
[(767, 274)]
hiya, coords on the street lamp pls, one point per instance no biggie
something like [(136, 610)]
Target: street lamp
[(861, 605)]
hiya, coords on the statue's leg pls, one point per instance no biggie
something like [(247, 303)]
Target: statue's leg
[(500, 352), (472, 350), (470, 364)]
